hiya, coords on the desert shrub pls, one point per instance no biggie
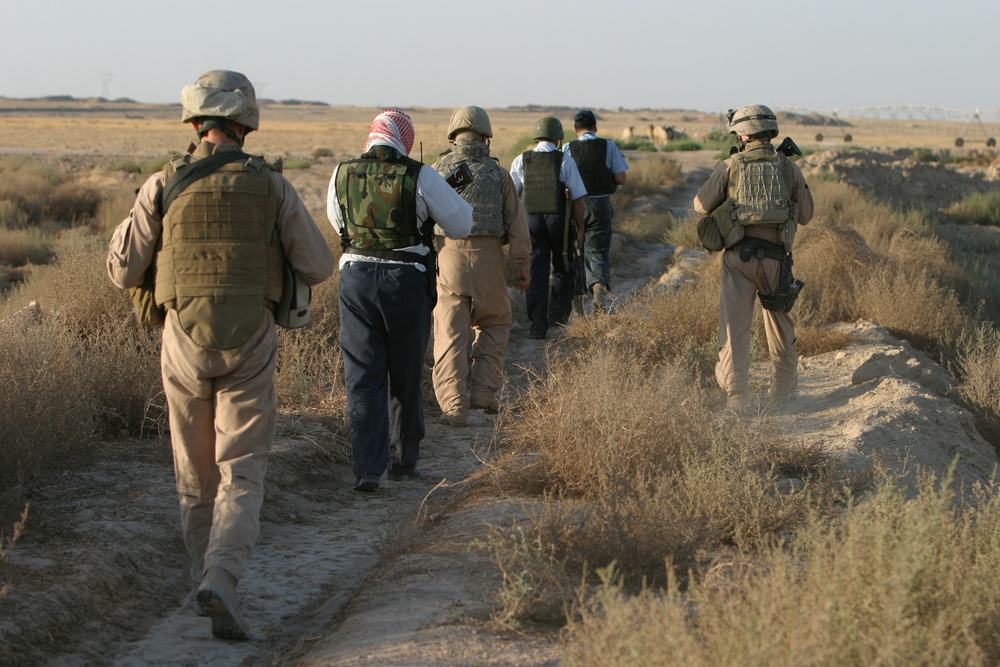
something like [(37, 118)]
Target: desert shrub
[(660, 325), (636, 144), (977, 208), (639, 227), (682, 232), (864, 260), (43, 193), (321, 151), (648, 176), (90, 369), (309, 372), (911, 304), (12, 216), (681, 145), (978, 366), (144, 166), (893, 582), (635, 470), (114, 207), (24, 246), (519, 146), (44, 404), (296, 163), (536, 585)]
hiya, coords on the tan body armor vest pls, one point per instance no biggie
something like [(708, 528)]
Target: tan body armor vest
[(222, 263), (484, 192), (760, 186)]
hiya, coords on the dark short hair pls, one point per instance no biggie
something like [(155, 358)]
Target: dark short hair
[(585, 118)]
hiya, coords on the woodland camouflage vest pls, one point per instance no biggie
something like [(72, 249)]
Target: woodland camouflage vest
[(377, 193), (760, 185), (543, 191), (483, 192), (222, 263), (591, 159)]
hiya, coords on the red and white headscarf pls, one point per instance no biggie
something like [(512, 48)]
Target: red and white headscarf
[(392, 128)]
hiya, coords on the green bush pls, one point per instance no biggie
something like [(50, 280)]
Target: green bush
[(681, 145), (977, 208)]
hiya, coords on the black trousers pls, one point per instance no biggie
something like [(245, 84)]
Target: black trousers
[(549, 301)]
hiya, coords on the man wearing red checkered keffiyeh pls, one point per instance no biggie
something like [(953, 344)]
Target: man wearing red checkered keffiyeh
[(393, 128), (384, 206)]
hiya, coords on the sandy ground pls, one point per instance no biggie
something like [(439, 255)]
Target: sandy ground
[(399, 577)]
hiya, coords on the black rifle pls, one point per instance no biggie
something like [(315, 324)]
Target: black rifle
[(788, 148)]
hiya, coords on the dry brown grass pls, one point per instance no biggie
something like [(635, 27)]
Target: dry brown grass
[(634, 469), (897, 581), (92, 370), (19, 247), (863, 260)]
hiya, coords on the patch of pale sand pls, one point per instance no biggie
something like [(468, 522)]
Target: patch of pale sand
[(881, 397)]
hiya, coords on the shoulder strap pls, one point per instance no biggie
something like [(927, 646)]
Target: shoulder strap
[(194, 171)]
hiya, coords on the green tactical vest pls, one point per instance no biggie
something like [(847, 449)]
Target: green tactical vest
[(543, 191), (377, 193), (591, 159), (484, 192), (222, 263), (760, 185)]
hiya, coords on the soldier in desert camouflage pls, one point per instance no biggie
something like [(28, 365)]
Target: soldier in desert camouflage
[(219, 248), (472, 318), (758, 197)]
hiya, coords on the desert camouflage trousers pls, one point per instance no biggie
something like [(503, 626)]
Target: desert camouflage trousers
[(223, 412), (472, 322), (741, 281)]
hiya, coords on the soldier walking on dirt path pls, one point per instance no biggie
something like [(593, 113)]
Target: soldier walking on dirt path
[(757, 198), (602, 167), (218, 226), (542, 177), (472, 318), (384, 206)]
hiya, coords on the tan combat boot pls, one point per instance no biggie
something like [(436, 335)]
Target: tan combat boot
[(217, 598), (602, 298)]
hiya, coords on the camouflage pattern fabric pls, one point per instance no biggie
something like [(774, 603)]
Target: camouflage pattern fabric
[(483, 192), (377, 193)]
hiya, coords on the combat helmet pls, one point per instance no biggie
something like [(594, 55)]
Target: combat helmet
[(470, 118), (752, 119), (221, 94), (549, 128)]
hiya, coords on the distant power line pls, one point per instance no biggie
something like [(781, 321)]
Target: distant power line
[(106, 84)]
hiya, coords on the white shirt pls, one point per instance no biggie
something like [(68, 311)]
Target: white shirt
[(435, 199), (568, 172)]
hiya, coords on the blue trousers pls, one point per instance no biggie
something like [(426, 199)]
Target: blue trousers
[(385, 320), (597, 214), (549, 303)]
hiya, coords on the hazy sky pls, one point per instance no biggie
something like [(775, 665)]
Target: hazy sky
[(706, 55)]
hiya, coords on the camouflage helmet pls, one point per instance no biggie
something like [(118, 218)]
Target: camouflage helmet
[(752, 119), (549, 128), (470, 118), (221, 94)]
